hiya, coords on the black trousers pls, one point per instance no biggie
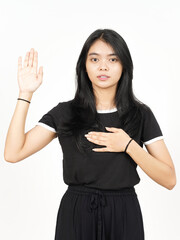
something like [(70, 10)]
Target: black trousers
[(91, 214)]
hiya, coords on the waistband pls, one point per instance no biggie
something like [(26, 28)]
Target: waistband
[(97, 200), (82, 189)]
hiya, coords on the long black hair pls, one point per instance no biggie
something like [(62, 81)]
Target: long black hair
[(84, 115)]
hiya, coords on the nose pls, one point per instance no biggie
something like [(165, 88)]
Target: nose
[(103, 66)]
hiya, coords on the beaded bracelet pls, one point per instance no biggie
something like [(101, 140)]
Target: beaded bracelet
[(128, 144), (23, 100)]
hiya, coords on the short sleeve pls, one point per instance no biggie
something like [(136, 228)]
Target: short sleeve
[(151, 130), (49, 120)]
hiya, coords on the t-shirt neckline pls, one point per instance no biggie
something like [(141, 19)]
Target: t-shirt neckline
[(107, 110)]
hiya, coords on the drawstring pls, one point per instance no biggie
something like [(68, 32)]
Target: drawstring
[(97, 201)]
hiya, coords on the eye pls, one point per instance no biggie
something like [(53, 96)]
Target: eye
[(94, 59), (113, 59)]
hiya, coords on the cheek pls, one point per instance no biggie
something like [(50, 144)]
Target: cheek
[(91, 70), (117, 71)]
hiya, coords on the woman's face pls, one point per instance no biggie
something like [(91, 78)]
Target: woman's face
[(103, 66)]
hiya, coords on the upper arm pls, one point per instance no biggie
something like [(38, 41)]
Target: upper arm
[(158, 149), (42, 134), (35, 139), (152, 137)]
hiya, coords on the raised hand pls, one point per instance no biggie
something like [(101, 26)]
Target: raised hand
[(29, 79)]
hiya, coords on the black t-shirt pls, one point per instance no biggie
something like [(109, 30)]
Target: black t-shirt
[(102, 170)]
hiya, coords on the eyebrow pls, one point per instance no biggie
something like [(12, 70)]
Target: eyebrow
[(111, 54)]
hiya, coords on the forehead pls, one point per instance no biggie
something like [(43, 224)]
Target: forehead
[(100, 47)]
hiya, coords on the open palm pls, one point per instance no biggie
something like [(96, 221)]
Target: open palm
[(28, 77)]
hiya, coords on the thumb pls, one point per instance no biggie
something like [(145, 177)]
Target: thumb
[(40, 74), (112, 129)]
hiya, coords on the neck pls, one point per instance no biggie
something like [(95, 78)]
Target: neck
[(105, 99)]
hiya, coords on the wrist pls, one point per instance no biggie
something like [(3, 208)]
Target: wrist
[(130, 140), (26, 95), (130, 147)]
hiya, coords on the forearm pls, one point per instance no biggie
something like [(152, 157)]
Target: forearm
[(154, 168), (16, 136)]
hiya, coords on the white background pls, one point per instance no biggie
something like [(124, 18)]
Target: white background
[(31, 190)]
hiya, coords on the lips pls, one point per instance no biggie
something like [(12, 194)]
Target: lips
[(103, 77)]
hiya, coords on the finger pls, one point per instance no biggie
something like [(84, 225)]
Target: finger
[(19, 64), (35, 61), (97, 136), (100, 149), (96, 141), (112, 129), (26, 60), (31, 57), (102, 134)]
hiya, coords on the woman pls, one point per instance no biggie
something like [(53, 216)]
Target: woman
[(102, 131)]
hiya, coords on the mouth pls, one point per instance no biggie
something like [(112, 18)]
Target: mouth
[(103, 77)]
